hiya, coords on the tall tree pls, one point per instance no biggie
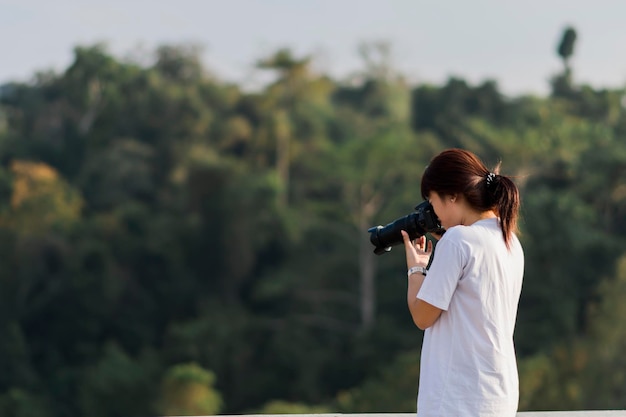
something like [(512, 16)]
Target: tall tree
[(293, 100), (562, 83), (566, 47)]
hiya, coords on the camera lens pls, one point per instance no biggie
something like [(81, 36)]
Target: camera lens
[(416, 224)]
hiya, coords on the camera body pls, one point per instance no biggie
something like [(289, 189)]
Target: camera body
[(423, 220)]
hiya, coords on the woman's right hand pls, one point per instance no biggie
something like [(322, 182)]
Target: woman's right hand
[(418, 252)]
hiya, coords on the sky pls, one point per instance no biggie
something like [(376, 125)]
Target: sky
[(511, 42)]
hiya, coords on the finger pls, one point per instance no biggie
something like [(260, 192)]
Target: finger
[(405, 237), (409, 249)]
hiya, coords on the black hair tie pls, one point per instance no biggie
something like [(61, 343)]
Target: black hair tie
[(491, 179)]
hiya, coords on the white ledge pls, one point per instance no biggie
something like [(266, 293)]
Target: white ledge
[(580, 413)]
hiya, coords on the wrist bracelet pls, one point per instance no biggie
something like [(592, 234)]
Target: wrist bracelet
[(415, 269)]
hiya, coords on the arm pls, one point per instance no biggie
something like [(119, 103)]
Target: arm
[(424, 314)]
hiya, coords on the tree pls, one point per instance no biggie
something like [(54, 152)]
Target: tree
[(293, 101), (562, 83), (392, 388), (566, 47), (19, 403), (118, 384), (187, 389), (41, 200), (605, 375), (180, 63), (122, 172)]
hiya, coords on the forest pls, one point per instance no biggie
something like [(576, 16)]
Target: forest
[(175, 244)]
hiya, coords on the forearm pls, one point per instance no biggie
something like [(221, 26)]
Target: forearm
[(417, 257), (424, 314), (414, 284)]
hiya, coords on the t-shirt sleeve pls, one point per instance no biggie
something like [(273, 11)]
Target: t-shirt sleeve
[(443, 275)]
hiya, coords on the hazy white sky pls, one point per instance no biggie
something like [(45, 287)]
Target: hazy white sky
[(513, 42)]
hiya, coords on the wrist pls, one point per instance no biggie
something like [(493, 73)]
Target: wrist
[(417, 270)]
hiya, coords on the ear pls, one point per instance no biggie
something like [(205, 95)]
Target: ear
[(453, 197)]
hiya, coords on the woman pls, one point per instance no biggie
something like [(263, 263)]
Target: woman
[(467, 300)]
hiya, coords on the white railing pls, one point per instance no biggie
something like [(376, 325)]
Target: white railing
[(582, 413)]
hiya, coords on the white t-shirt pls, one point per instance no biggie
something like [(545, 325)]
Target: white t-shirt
[(468, 366)]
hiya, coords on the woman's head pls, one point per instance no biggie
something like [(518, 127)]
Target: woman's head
[(457, 173)]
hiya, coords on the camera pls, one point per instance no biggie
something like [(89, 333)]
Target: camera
[(422, 221)]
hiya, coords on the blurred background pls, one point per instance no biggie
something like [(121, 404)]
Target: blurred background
[(186, 189)]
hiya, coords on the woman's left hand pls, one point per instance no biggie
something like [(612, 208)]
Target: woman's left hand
[(417, 252)]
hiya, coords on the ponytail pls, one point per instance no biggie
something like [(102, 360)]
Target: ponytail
[(506, 203)]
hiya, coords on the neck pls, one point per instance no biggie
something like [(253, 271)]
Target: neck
[(476, 216)]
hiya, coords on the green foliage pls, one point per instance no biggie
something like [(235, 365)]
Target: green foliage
[(606, 370), (586, 372), (157, 223), (187, 389), (120, 173), (284, 407), (392, 389), (566, 46), (118, 384), (552, 380), (40, 200), (19, 403)]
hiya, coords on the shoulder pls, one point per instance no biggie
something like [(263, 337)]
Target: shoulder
[(468, 238), (455, 240), (457, 235)]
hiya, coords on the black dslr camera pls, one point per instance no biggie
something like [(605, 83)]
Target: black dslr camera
[(422, 221)]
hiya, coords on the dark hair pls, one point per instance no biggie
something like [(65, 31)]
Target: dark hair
[(457, 171)]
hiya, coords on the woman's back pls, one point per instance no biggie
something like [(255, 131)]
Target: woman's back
[(468, 358)]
